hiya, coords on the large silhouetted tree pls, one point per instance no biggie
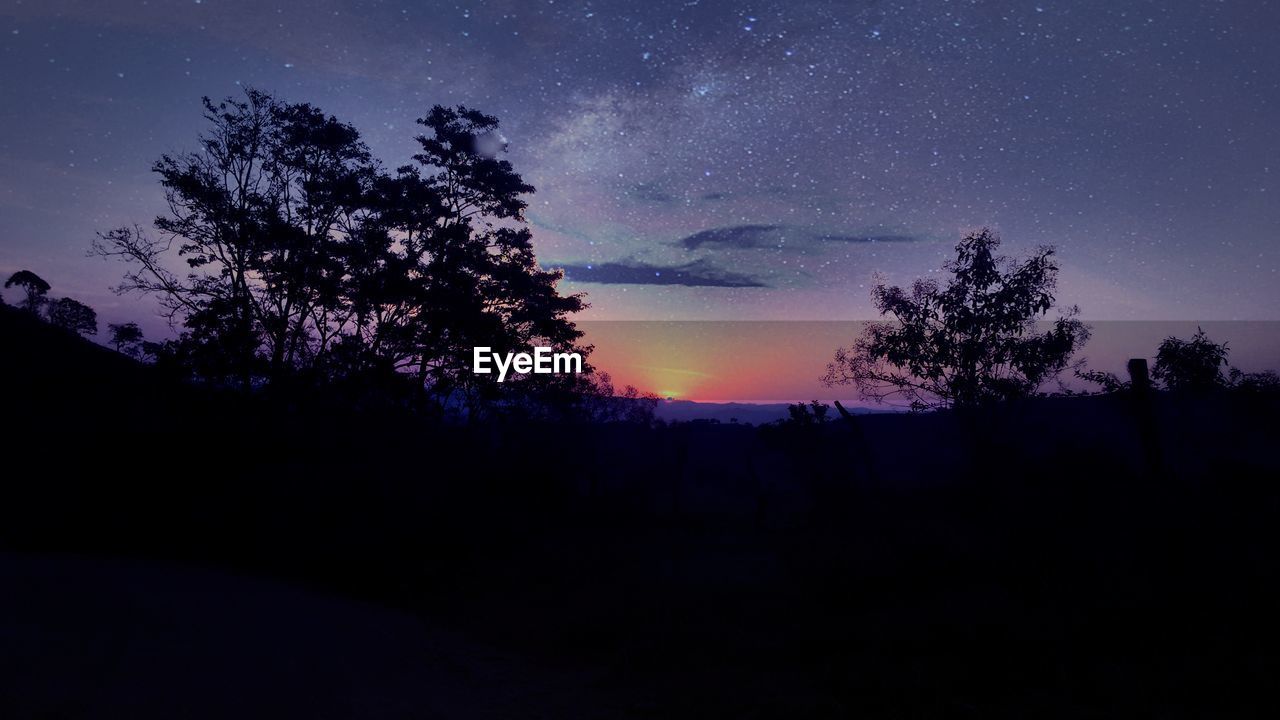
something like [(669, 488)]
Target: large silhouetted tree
[(973, 341), (481, 282), (33, 285), (305, 256), (257, 213)]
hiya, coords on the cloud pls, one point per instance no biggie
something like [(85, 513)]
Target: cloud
[(774, 191), (698, 273), (652, 193), (740, 236), (869, 238), (760, 236)]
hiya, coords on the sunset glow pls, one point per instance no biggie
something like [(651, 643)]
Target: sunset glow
[(782, 361)]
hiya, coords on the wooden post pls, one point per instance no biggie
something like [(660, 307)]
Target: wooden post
[(860, 445), (1139, 377), (1144, 409), (677, 476)]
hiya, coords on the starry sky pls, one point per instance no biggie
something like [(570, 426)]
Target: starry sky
[(701, 159)]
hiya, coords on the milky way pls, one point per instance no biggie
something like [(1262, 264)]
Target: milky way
[(714, 159)]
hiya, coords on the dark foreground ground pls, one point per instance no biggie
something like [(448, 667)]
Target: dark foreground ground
[(171, 552), (95, 637)]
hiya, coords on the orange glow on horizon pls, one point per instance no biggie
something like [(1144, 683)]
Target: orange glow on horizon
[(780, 361), (716, 362)]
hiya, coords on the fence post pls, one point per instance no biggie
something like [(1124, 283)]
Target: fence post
[(1140, 378), (860, 445), (1145, 411)]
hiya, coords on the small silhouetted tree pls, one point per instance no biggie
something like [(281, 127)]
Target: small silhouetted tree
[(1266, 381), (812, 414), (33, 285), (126, 338), (599, 401), (73, 315), (973, 341), (1195, 364)]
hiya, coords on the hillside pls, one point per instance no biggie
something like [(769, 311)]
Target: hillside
[(733, 412), (1067, 557)]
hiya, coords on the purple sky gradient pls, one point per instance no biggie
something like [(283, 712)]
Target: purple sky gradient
[(1140, 138)]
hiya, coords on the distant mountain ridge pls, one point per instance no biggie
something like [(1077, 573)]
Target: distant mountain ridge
[(754, 413)]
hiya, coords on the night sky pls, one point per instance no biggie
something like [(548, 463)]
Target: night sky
[(712, 160)]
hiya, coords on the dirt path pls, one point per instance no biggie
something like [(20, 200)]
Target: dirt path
[(97, 638)]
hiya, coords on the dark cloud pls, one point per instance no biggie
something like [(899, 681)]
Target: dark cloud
[(699, 273), (869, 238), (649, 192), (758, 236), (739, 236), (760, 191)]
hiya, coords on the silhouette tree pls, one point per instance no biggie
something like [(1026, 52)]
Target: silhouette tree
[(1108, 381), (126, 338), (812, 414), (971, 342), (601, 402), (1195, 364), (305, 257), (481, 282), (73, 315), (256, 213), (1267, 381), (443, 262), (33, 285)]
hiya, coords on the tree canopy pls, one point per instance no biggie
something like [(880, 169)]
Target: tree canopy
[(73, 315), (1195, 364), (973, 341), (126, 338), (34, 286), (305, 257)]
